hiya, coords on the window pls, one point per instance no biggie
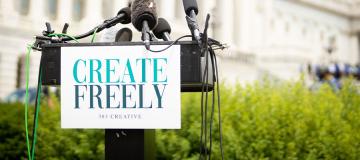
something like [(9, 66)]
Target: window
[(107, 8), (22, 6), (52, 8), (79, 9)]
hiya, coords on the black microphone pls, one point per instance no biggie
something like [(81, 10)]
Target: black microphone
[(123, 17), (123, 35), (144, 18), (162, 30), (191, 10)]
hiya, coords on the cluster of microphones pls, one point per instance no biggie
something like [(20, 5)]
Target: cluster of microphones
[(142, 14)]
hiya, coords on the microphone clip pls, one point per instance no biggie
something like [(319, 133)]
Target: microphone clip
[(194, 27), (48, 29), (146, 35)]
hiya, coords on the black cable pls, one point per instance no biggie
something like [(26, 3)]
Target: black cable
[(213, 99), (177, 40), (204, 109), (107, 23), (219, 109), (206, 100)]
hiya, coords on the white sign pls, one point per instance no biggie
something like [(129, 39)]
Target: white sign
[(124, 87)]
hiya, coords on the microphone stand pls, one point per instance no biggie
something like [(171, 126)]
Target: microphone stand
[(134, 144)]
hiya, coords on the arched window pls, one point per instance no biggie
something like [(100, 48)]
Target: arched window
[(22, 6), (107, 8), (52, 8), (79, 9)]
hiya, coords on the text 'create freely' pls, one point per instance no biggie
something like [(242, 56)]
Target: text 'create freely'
[(120, 83)]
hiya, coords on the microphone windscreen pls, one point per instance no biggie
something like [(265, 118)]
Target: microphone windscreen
[(127, 15), (190, 5), (123, 35), (143, 10), (162, 26)]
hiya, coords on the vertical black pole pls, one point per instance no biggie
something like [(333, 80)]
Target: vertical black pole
[(134, 144)]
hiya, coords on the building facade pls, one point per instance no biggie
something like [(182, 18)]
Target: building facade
[(266, 37)]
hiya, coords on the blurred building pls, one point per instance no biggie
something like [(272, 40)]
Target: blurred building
[(266, 37)]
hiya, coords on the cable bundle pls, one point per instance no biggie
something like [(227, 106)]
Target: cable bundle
[(207, 47)]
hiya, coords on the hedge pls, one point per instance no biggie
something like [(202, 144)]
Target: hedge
[(260, 121)]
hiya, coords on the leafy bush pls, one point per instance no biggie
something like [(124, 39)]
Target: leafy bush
[(273, 121), (260, 121), (53, 142)]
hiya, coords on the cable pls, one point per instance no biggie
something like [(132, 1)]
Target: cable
[(213, 100), (37, 106), (63, 35), (94, 35), (37, 109), (219, 109), (177, 40), (205, 81), (203, 118), (27, 99), (38, 98)]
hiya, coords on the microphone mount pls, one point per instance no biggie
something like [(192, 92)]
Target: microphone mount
[(193, 25), (146, 34), (48, 36)]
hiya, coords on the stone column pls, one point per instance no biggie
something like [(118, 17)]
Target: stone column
[(244, 13), (8, 66), (357, 48), (37, 11), (354, 50), (269, 14), (8, 12), (93, 11), (65, 11), (167, 9), (223, 19), (119, 5)]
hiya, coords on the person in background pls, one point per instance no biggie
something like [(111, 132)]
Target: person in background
[(324, 75)]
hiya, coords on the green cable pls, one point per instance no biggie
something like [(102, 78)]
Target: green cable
[(63, 35), (32, 155), (27, 99), (29, 47), (94, 35), (37, 114)]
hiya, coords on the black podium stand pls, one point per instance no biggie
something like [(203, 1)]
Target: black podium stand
[(132, 144)]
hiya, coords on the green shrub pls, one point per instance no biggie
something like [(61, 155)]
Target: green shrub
[(273, 121), (53, 142), (260, 121)]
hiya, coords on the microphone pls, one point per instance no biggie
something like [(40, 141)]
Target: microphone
[(162, 30), (144, 18), (123, 35), (191, 10), (123, 17)]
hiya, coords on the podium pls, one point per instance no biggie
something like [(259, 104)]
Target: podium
[(134, 143), (192, 63)]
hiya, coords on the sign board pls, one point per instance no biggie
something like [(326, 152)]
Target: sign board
[(123, 87)]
